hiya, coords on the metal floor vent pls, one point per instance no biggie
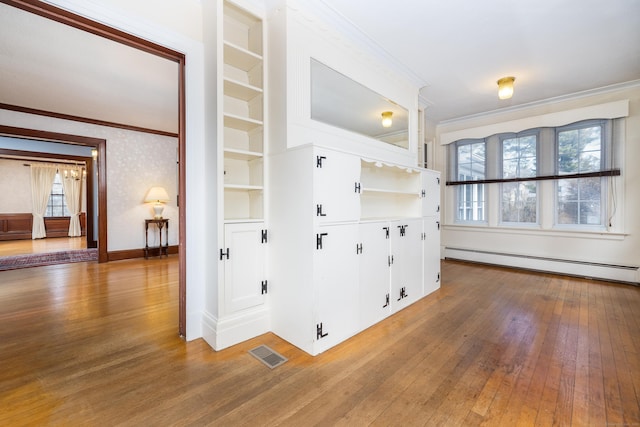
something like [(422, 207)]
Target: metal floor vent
[(268, 356)]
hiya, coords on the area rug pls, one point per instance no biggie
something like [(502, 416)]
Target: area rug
[(52, 258)]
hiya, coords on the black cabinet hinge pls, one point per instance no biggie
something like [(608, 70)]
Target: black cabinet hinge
[(263, 234), (319, 160), (403, 293), (357, 187), (358, 248), (424, 194), (264, 287), (390, 259), (438, 208), (319, 240), (386, 232), (223, 254), (319, 333), (424, 236), (403, 229), (319, 211), (386, 301)]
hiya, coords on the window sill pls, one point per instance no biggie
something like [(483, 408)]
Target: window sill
[(537, 231)]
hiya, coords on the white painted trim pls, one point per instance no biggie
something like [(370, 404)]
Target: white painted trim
[(609, 110), (223, 333)]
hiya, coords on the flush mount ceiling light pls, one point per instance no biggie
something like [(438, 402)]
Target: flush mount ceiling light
[(505, 87), (387, 121)]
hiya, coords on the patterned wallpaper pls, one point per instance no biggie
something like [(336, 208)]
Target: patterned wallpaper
[(136, 161)]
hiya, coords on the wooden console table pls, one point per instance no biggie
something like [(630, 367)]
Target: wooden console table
[(161, 224)]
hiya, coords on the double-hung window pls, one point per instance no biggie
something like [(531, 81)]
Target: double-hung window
[(57, 205), (471, 166), (580, 150), (519, 160)]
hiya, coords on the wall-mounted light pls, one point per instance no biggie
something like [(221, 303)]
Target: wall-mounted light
[(387, 120), (505, 87), (94, 153)]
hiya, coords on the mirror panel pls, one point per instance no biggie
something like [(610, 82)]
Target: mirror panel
[(339, 101)]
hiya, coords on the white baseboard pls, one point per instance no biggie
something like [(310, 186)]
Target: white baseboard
[(224, 332), (617, 273)]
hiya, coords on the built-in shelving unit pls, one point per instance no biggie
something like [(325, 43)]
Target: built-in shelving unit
[(243, 114), (389, 191)]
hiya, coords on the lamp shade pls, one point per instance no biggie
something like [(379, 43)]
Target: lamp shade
[(505, 87), (387, 119), (157, 194)]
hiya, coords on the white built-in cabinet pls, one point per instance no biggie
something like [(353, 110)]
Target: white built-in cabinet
[(352, 243), (242, 256)]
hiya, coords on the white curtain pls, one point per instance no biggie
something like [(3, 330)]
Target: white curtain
[(71, 177), (42, 177)]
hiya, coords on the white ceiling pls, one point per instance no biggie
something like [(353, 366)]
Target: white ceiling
[(456, 48)]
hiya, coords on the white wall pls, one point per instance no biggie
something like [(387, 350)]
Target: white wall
[(15, 187), (620, 245), (136, 161)]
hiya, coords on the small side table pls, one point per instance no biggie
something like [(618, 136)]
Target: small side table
[(160, 223)]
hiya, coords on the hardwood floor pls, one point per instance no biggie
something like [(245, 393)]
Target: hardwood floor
[(96, 344), (55, 244)]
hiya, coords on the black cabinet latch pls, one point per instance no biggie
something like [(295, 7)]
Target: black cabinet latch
[(424, 236), (438, 278), (424, 194), (403, 293), (403, 229), (319, 240), (438, 223), (386, 301), (319, 211), (319, 333), (386, 232), (223, 254), (390, 258), (319, 160), (264, 287)]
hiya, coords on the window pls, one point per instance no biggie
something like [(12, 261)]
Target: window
[(548, 176), (57, 205), (471, 167), (580, 150), (519, 160)]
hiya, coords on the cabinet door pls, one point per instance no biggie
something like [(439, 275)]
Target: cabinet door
[(431, 254), (335, 196), (406, 270), (335, 285), (431, 197), (375, 273), (244, 267)]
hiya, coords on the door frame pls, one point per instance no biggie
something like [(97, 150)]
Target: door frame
[(82, 23)]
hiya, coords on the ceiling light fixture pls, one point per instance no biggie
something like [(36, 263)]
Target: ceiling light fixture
[(505, 87), (387, 121)]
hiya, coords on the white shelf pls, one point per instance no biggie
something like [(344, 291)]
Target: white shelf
[(232, 153), (241, 123), (239, 90), (242, 187), (240, 58), (394, 192)]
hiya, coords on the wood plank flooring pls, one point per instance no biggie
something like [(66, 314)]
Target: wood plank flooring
[(96, 345), (39, 246)]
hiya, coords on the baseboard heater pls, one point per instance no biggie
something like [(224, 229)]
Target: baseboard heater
[(591, 270)]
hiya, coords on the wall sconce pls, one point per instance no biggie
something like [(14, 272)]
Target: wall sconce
[(94, 153), (158, 196), (387, 121), (505, 87)]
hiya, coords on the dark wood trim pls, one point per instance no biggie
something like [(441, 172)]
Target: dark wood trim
[(49, 136), (85, 24), (88, 161), (93, 27), (139, 253), (85, 120), (610, 172), (182, 212)]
